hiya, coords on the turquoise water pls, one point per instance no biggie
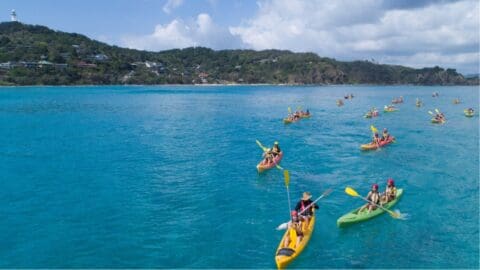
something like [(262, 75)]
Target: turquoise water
[(165, 177)]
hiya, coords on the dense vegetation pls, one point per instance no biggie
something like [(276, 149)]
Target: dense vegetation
[(31, 55)]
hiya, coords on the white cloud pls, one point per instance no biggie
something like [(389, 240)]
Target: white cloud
[(171, 5), (445, 33), (180, 34)]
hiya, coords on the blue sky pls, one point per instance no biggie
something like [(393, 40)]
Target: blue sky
[(414, 33)]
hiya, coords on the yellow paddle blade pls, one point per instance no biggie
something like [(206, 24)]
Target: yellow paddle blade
[(374, 129), (287, 177), (289, 110), (394, 214), (350, 191), (261, 146), (430, 112)]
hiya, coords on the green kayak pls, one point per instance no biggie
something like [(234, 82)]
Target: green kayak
[(354, 216)]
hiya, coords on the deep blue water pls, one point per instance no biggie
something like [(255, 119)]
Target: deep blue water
[(165, 176)]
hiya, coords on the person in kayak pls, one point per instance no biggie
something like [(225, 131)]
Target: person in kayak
[(296, 225), (385, 135), (376, 139), (304, 202), (470, 110), (267, 157), (390, 192), (374, 198), (275, 149)]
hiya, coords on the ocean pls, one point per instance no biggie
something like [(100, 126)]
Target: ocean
[(165, 177)]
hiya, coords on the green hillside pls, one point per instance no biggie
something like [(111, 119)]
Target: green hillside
[(37, 55)]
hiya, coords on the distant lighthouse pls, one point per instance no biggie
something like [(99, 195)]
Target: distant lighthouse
[(13, 15)]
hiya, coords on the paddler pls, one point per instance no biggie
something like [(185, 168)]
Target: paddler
[(374, 198), (301, 207), (385, 135), (296, 225), (390, 192), (376, 139), (275, 149), (268, 157)]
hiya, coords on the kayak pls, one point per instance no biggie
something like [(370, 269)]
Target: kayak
[(284, 256), (373, 146), (305, 116), (418, 104), (262, 167), (435, 121), (355, 216), (370, 115), (390, 110), (467, 114), (289, 121)]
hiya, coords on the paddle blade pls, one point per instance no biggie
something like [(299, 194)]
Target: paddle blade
[(350, 191), (289, 110), (261, 146), (396, 214), (287, 177), (282, 226), (374, 129), (430, 112)]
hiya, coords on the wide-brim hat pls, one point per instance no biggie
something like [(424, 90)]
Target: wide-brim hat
[(306, 196)]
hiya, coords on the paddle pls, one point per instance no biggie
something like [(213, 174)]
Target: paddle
[(265, 150), (284, 225), (286, 175), (397, 215)]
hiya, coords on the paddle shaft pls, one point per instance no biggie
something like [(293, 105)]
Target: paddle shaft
[(381, 207), (310, 205)]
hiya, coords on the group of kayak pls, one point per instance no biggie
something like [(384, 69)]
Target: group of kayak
[(294, 117), (300, 227), (302, 219)]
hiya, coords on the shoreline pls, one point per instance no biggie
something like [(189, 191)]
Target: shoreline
[(231, 84)]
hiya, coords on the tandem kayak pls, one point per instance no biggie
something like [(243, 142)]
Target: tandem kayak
[(373, 146), (262, 167), (468, 114), (289, 121), (284, 256), (390, 110), (435, 121), (355, 216)]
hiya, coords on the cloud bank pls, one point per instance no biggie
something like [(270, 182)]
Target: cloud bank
[(413, 33)]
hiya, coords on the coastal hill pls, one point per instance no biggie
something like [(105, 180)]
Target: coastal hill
[(37, 55)]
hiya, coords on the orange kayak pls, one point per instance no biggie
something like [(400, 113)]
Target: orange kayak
[(263, 167)]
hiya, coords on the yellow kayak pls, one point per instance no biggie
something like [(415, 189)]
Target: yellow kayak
[(284, 256)]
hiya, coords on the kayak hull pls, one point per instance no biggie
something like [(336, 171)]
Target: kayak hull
[(354, 217), (390, 110), (284, 256), (435, 121), (373, 146), (467, 114), (261, 167)]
